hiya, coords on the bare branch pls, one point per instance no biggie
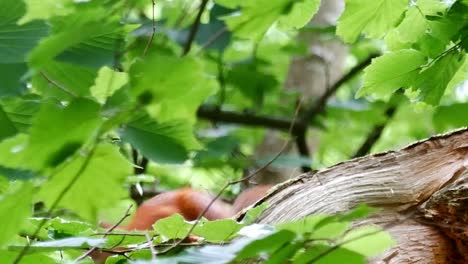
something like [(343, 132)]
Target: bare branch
[(108, 231), (319, 107), (153, 28), (217, 115), (375, 134), (194, 28)]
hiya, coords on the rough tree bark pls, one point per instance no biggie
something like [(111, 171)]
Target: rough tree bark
[(422, 189)]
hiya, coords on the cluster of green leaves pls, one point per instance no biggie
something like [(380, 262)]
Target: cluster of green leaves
[(93, 75), (314, 239)]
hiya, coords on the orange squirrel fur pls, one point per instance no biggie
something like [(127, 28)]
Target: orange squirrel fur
[(190, 204), (186, 202), (249, 197)]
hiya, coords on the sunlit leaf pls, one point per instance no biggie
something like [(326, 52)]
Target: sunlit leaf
[(368, 241), (107, 82), (93, 176), (16, 204), (370, 17), (392, 71), (58, 131), (173, 227)]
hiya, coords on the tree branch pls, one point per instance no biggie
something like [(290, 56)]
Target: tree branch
[(215, 114), (319, 107), (194, 28), (375, 134), (303, 150)]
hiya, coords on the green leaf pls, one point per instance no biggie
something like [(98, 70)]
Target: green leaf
[(256, 17), (460, 77), (218, 230), (284, 254), (17, 40), (360, 212), (373, 18), (73, 36), (12, 151), (11, 75), (35, 258), (415, 23), (172, 227), (20, 110), (15, 174), (72, 242), (251, 81), (107, 82), (450, 116), (161, 79), (16, 204), (7, 129), (390, 72), (45, 9), (205, 32), (165, 76), (300, 14), (57, 131), (337, 255), (330, 231), (432, 81), (253, 213), (307, 224), (268, 244), (78, 83), (368, 241), (166, 142), (103, 175), (61, 228)]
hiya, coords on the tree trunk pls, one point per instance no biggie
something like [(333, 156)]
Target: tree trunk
[(422, 191)]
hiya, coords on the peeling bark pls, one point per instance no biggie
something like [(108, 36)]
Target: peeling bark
[(422, 188)]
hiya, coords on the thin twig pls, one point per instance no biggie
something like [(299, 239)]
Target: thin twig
[(153, 29), (108, 231), (212, 39), (54, 83), (119, 234), (194, 28), (151, 246)]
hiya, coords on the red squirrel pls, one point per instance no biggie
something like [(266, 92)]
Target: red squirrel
[(190, 204)]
